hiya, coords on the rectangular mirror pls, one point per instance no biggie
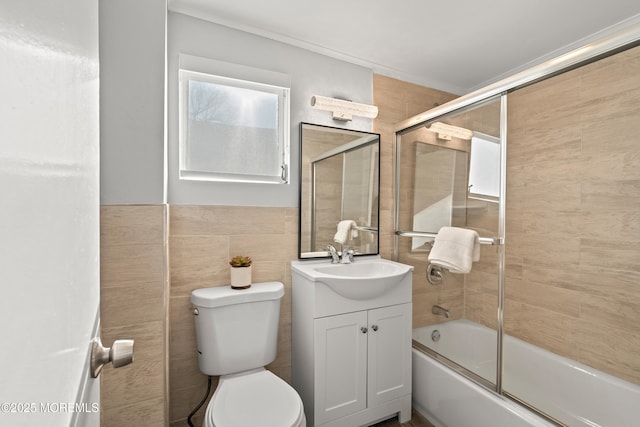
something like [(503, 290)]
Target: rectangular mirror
[(339, 190)]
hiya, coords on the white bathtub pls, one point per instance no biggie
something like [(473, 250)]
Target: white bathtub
[(571, 392)]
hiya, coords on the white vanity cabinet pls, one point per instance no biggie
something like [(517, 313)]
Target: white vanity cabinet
[(361, 360), (351, 359)]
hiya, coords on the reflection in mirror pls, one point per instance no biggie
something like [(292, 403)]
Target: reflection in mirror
[(449, 174), (339, 190), (484, 168), (433, 199)]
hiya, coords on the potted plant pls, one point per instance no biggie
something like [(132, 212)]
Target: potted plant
[(240, 272)]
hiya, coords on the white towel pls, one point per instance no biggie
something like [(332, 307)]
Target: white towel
[(455, 249), (344, 227)]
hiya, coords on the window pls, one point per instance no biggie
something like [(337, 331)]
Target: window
[(484, 168), (232, 129)]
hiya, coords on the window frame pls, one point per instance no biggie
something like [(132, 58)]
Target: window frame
[(491, 162), (236, 76)]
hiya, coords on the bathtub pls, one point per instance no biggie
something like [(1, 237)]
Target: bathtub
[(572, 393)]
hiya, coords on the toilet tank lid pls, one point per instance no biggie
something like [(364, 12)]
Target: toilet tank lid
[(225, 295)]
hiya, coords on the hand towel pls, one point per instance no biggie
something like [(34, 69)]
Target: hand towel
[(344, 227), (455, 249)]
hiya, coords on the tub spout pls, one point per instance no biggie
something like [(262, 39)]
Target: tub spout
[(440, 311)]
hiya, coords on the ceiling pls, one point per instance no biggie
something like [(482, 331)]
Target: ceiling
[(455, 45)]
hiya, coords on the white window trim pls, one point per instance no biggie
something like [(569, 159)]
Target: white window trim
[(492, 164), (208, 70)]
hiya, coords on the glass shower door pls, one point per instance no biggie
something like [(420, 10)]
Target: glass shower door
[(448, 174), (572, 304)]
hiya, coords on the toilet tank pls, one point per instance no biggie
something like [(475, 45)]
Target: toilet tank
[(236, 330)]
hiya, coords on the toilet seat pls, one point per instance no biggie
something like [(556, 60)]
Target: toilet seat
[(257, 398)]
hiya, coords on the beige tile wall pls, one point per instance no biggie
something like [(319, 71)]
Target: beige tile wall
[(398, 100), (133, 305), (583, 311), (328, 186), (202, 240), (472, 300), (573, 228), (573, 203)]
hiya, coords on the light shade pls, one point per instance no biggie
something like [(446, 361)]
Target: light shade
[(447, 132), (343, 110)]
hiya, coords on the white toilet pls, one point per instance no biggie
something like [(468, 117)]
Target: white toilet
[(237, 335)]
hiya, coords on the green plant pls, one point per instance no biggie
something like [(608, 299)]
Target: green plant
[(240, 261)]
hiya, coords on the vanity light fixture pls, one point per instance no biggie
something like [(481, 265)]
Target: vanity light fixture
[(447, 132), (343, 110)]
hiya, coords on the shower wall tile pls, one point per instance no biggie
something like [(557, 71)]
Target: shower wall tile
[(396, 100), (202, 239), (623, 69), (546, 148), (543, 106), (552, 298), (607, 282), (133, 306), (602, 339), (620, 254), (557, 275), (610, 311), (488, 315), (542, 328), (573, 227)]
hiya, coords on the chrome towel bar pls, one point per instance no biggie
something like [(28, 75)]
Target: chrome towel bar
[(483, 240)]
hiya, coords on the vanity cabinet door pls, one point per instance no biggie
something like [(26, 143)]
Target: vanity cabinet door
[(389, 342), (340, 366)]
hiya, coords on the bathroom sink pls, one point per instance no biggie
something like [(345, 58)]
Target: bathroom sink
[(363, 279), (360, 270)]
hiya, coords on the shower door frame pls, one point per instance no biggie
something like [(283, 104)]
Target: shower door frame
[(495, 241), (616, 42)]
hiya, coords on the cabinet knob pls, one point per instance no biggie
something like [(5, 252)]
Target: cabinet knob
[(363, 330), (374, 327)]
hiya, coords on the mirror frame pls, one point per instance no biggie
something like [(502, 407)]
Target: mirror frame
[(301, 188)]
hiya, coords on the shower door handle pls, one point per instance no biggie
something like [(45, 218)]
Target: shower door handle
[(119, 354)]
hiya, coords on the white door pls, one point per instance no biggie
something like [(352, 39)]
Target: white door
[(341, 366), (389, 353), (49, 211)]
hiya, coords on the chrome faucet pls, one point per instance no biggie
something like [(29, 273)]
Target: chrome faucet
[(335, 258), (347, 256), (440, 311)]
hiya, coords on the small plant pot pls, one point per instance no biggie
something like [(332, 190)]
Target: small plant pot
[(241, 277)]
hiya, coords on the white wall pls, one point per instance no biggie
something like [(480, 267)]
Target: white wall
[(49, 272), (132, 118), (311, 74), (132, 80)]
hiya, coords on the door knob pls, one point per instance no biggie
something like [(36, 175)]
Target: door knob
[(119, 354)]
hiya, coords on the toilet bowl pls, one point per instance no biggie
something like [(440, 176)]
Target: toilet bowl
[(257, 398), (236, 336)]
